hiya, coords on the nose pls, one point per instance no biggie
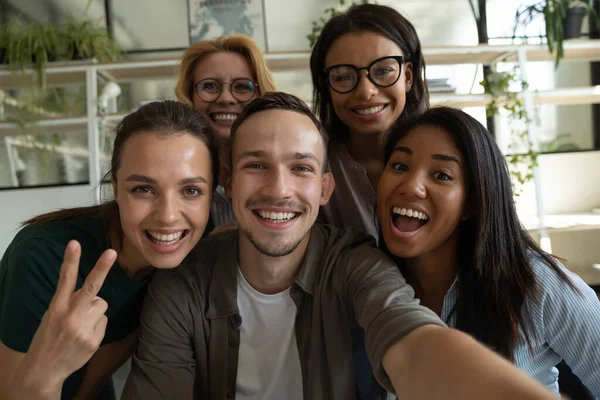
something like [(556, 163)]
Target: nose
[(226, 97), (365, 89), (279, 185), (168, 210), (415, 186)]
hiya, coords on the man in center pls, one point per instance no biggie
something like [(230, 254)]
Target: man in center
[(267, 311)]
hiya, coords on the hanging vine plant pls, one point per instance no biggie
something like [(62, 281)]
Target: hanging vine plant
[(522, 158)]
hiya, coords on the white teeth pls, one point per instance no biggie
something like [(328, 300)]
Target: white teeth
[(369, 111), (410, 213), (276, 216), (224, 117), (166, 239)]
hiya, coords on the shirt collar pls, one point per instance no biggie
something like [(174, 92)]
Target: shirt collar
[(222, 296)]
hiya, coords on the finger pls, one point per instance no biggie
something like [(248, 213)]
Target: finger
[(98, 307), (95, 279), (68, 273)]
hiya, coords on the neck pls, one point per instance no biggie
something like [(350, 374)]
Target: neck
[(266, 274), (365, 148), (432, 274), (126, 255)]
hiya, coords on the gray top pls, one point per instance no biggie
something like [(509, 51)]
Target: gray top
[(352, 205), (189, 341)]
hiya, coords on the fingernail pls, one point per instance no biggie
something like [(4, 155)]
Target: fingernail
[(72, 245), (110, 256)]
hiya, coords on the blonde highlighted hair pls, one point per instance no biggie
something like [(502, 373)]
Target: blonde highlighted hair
[(239, 44)]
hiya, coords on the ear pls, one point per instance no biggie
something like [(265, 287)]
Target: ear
[(226, 177), (327, 186), (408, 75)]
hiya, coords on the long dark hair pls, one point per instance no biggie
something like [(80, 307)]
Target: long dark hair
[(160, 117), (379, 19), (495, 274)]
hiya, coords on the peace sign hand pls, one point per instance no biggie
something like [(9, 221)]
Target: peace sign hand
[(73, 326)]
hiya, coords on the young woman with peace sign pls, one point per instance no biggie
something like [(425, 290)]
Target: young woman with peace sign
[(68, 319)]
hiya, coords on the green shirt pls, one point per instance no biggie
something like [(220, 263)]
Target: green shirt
[(29, 273)]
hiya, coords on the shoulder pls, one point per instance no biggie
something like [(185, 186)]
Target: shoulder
[(549, 279), (196, 270), (350, 248)]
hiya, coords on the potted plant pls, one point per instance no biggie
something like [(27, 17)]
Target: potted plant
[(29, 44), (86, 40), (562, 20)]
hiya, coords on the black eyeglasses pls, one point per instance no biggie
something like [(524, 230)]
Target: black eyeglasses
[(209, 89), (383, 72)]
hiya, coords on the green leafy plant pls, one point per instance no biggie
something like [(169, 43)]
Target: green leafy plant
[(34, 44), (317, 26), (523, 159), (84, 40), (554, 13)]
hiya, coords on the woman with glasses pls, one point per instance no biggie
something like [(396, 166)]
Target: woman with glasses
[(367, 71), (218, 78)]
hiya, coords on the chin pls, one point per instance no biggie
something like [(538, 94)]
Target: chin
[(168, 262)]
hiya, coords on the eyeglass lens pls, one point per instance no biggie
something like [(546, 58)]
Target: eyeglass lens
[(209, 89), (384, 72)]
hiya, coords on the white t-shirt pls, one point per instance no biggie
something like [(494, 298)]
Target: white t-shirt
[(268, 362)]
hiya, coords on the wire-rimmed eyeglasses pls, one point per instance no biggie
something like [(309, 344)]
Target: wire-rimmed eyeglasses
[(209, 89)]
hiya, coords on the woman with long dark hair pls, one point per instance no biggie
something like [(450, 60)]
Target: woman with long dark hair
[(68, 320), (448, 217)]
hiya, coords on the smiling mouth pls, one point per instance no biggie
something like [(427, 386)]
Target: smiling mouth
[(369, 110), (223, 118), (166, 239), (276, 217), (408, 220)]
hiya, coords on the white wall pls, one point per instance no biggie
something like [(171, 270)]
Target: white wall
[(18, 205)]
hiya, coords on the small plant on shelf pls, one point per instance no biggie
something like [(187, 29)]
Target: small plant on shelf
[(317, 26), (562, 20)]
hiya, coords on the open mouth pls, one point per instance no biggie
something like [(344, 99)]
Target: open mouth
[(166, 239), (370, 110), (276, 217), (407, 219)]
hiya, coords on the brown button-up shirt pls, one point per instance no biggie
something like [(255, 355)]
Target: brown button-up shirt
[(190, 333)]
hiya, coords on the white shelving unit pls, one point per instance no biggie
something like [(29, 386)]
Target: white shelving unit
[(60, 74)]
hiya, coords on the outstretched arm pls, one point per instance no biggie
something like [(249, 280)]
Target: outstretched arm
[(434, 362)]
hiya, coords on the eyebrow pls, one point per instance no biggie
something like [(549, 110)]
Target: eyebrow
[(147, 179), (264, 154), (441, 157)]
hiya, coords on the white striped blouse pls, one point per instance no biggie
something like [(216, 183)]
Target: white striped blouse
[(566, 326)]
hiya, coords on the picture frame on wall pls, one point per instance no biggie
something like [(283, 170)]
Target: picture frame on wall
[(209, 19)]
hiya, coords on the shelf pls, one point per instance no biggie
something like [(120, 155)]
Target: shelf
[(56, 125), (74, 72), (563, 222), (562, 96)]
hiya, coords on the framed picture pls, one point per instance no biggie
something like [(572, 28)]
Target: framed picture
[(209, 19)]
